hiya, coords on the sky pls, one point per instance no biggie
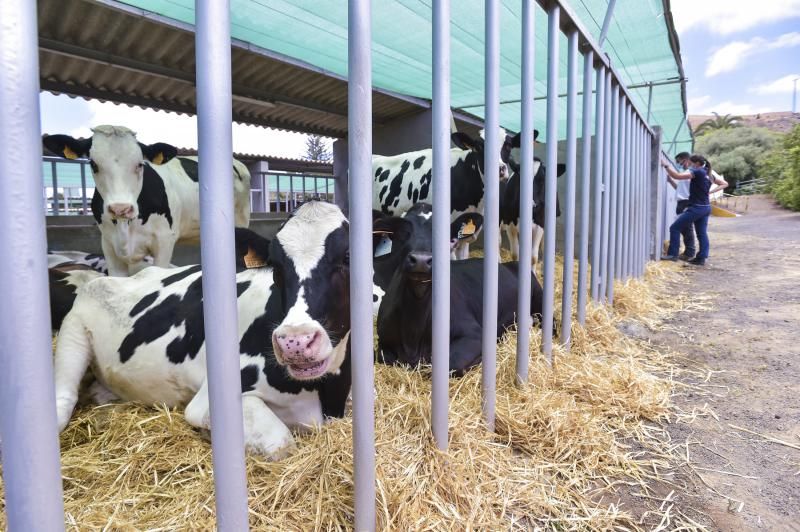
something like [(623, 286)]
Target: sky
[(740, 56)]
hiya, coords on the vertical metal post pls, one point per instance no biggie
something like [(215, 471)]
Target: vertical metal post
[(215, 150), (569, 215), (359, 125), (265, 191), (621, 199), (627, 217), (586, 147), (441, 221), (548, 277), (597, 181), (83, 189), (649, 100), (305, 190), (638, 222), (30, 454), (277, 193), (491, 214), (606, 22), (606, 190), (526, 193), (613, 185), (54, 177), (291, 198)]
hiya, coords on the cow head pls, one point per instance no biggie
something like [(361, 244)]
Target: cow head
[(476, 147), (310, 260), (408, 251), (117, 160)]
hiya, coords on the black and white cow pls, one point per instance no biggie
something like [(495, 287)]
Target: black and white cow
[(401, 181), (145, 199), (510, 206), (93, 260), (404, 318), (145, 340)]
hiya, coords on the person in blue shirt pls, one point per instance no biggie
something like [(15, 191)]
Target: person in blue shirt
[(698, 210)]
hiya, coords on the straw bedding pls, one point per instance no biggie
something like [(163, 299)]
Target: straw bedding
[(562, 443)]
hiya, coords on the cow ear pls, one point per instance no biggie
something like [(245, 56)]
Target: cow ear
[(516, 139), (560, 169), (385, 231), (67, 147), (159, 153), (463, 141), (466, 226), (252, 249), (535, 134)]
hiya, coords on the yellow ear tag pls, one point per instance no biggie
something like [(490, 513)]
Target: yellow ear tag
[(158, 159), (252, 260), (467, 229), (69, 154)]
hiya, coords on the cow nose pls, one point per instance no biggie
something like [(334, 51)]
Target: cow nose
[(419, 262), (121, 210), (299, 348)]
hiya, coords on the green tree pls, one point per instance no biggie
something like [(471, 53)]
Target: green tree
[(736, 153), (781, 169), (316, 149), (718, 122)]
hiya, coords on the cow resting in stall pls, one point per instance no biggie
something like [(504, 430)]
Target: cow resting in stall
[(144, 335), (145, 199), (404, 318)]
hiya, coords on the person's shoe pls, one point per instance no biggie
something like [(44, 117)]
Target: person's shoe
[(697, 261), (672, 258), (686, 256)]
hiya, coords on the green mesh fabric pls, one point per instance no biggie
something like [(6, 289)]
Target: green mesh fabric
[(315, 31)]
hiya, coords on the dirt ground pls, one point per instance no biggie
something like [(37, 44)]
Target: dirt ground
[(743, 447)]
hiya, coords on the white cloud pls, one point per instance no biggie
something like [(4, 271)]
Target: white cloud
[(181, 130), (784, 85), (730, 108), (697, 103), (725, 17), (730, 56)]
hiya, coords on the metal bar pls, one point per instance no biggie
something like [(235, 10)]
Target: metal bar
[(215, 149), (569, 215), (359, 124), (649, 100), (586, 150), (491, 216), (626, 194), (526, 193), (597, 181), (613, 185), (28, 424), (621, 199), (277, 193), (265, 190), (441, 221), (83, 189), (292, 201), (638, 223), (606, 190), (305, 190), (548, 277), (606, 22), (54, 178)]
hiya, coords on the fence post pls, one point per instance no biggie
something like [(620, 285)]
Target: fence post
[(597, 182), (54, 178), (548, 276), (83, 188), (586, 149), (612, 195), (28, 424), (657, 199), (359, 125), (603, 274), (441, 221)]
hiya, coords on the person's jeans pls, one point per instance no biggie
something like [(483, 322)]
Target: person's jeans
[(696, 215), (688, 234)]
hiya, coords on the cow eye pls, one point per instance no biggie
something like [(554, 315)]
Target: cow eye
[(93, 165), (139, 167)]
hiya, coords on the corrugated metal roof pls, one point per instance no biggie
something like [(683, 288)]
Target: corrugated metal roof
[(109, 51), (278, 164)]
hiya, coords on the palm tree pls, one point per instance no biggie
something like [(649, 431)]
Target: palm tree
[(718, 122)]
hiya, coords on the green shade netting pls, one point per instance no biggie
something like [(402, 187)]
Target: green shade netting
[(315, 31)]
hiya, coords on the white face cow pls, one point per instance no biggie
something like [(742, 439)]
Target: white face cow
[(145, 337)]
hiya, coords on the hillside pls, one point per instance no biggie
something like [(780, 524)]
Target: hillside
[(782, 122)]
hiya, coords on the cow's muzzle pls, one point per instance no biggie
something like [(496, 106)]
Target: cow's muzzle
[(121, 211), (303, 349)]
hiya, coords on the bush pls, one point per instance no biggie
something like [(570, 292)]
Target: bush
[(736, 153), (781, 168)]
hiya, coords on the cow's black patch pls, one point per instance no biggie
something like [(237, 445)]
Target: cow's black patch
[(374, 298), (153, 197), (143, 303), (466, 189), (191, 168), (97, 206), (418, 162), (249, 375), (415, 196), (384, 176), (383, 191), (62, 296), (183, 274), (378, 171), (395, 188), (425, 185), (176, 309), (410, 189)]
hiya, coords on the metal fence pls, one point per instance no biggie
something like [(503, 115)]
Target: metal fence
[(283, 192), (622, 216)]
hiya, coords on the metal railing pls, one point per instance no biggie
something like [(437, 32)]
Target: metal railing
[(616, 175), (284, 192)]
